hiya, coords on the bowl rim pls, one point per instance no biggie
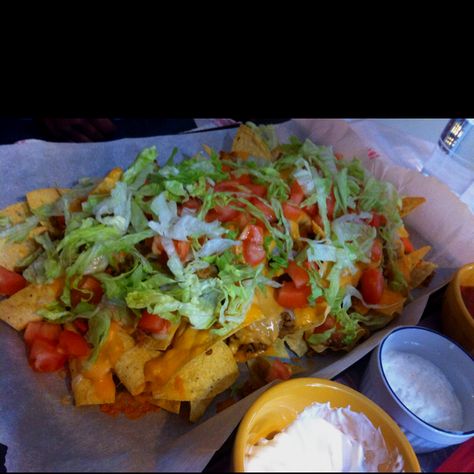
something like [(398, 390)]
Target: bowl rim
[(238, 454), (467, 316), (452, 434)]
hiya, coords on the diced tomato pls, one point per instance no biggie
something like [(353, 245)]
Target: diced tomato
[(252, 233), (153, 323), (182, 248), (331, 204), (211, 216), (242, 219), (42, 330), (230, 185), (371, 285), (298, 274), (329, 323), (252, 244), (192, 203), (45, 357), (267, 210), (291, 212), (407, 244), (377, 251), (73, 344), (81, 324), (88, 289), (244, 179), (296, 193), (377, 220), (312, 210), (226, 213), (157, 245), (10, 282), (58, 222), (289, 296), (278, 370), (258, 189)]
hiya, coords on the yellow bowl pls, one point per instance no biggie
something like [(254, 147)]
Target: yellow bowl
[(456, 321), (276, 408)]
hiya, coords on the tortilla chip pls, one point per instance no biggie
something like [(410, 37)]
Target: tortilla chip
[(40, 197), (392, 302), (130, 368), (197, 408), (20, 309), (410, 203), (296, 342), (109, 182), (191, 342), (402, 232), (11, 253), (248, 141), (161, 341), (416, 256), (311, 316), (204, 376), (421, 272), (86, 392), (17, 212), (277, 349), (173, 406)]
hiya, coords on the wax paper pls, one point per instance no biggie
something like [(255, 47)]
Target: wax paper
[(44, 432)]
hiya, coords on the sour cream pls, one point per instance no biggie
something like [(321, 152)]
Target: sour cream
[(322, 439), (424, 389)]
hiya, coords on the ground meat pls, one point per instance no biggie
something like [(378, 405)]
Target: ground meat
[(287, 324)]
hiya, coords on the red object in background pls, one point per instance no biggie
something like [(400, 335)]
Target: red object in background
[(462, 460), (467, 293)]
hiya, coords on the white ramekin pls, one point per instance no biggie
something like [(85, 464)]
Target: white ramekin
[(450, 358)]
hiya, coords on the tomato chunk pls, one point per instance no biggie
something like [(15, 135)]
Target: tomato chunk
[(73, 344), (371, 285), (329, 323), (298, 274), (153, 323), (10, 282), (407, 244), (81, 324), (252, 244), (377, 220), (258, 189), (291, 212), (182, 248), (42, 330), (289, 296), (45, 357), (376, 251), (278, 370), (88, 289), (267, 210), (296, 193)]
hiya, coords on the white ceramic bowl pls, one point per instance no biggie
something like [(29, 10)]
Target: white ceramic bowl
[(456, 364)]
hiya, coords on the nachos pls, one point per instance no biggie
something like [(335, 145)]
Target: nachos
[(160, 281)]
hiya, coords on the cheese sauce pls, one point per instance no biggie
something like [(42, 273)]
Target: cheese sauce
[(322, 439)]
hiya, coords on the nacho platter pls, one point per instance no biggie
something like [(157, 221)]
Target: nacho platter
[(160, 281)]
